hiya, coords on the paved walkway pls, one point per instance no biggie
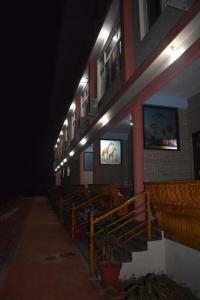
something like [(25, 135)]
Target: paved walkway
[(46, 265)]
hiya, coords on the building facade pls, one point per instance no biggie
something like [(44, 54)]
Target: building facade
[(135, 114)]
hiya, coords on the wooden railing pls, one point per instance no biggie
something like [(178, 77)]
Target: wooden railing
[(120, 222), (177, 209)]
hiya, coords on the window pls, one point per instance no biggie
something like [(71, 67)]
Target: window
[(84, 99), (73, 125), (149, 11), (110, 62)]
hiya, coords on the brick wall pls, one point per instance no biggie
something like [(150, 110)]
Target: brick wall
[(171, 165), (194, 113)]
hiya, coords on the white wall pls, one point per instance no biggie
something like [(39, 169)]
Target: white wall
[(183, 264), (180, 263)]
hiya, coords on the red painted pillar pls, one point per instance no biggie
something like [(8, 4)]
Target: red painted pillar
[(138, 153), (69, 128), (96, 162), (81, 157), (127, 39)]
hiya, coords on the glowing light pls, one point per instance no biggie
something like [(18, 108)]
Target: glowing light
[(61, 133), (72, 153), (65, 160), (72, 107), (103, 35), (62, 163), (83, 141), (83, 80), (104, 120), (131, 123), (175, 53), (65, 123), (115, 39), (56, 146), (58, 140)]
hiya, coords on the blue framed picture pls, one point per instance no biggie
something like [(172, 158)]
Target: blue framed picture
[(160, 128)]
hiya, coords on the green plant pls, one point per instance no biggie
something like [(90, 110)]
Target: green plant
[(148, 287), (108, 245)]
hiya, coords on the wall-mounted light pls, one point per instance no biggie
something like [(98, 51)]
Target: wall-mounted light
[(104, 120), (64, 160), (72, 107), (62, 163), (83, 141), (61, 133), (56, 146), (72, 153), (115, 38), (65, 123), (131, 123), (83, 81), (103, 34), (175, 52), (58, 140)]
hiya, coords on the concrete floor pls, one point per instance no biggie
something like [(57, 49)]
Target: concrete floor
[(46, 265)]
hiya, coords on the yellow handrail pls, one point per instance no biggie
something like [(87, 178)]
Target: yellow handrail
[(91, 262), (119, 207), (89, 200), (136, 211)]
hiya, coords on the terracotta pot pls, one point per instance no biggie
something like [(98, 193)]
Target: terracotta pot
[(109, 274)]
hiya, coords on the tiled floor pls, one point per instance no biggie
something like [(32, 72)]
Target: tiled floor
[(46, 265)]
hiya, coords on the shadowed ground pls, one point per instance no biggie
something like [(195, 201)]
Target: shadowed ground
[(46, 264)]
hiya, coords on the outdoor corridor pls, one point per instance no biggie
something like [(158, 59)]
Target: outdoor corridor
[(46, 264)]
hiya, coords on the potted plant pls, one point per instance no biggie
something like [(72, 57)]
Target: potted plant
[(148, 287), (109, 267)]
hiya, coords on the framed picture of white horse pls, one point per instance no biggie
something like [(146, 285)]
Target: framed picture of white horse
[(110, 152)]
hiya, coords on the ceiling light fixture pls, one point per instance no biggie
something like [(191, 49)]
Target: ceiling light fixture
[(83, 141), (72, 107), (65, 123), (72, 153), (175, 53), (103, 35), (104, 120)]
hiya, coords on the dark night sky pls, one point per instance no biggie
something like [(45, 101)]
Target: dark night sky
[(46, 48)]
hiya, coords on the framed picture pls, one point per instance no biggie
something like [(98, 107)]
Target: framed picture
[(160, 128), (88, 161), (110, 152)]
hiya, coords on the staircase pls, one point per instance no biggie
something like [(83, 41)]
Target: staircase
[(130, 224)]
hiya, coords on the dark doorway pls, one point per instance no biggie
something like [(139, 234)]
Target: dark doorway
[(196, 151)]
